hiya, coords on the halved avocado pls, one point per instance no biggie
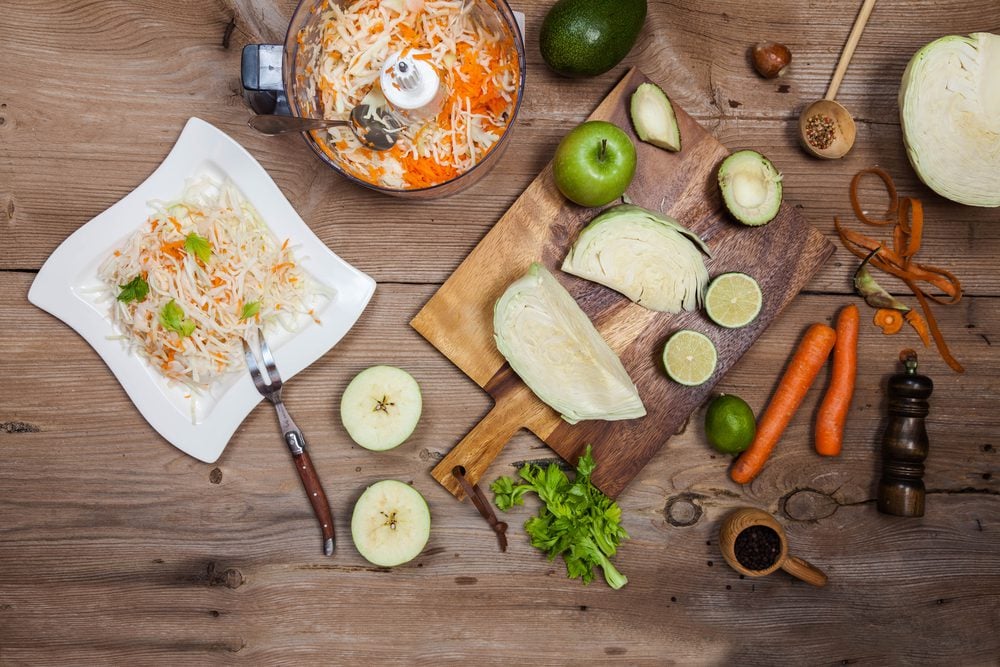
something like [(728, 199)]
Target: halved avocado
[(653, 117), (751, 187)]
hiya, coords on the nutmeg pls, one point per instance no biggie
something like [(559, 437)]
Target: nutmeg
[(770, 59)]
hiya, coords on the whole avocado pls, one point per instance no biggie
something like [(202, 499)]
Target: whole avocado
[(589, 37)]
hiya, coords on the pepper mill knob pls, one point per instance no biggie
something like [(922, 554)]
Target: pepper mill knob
[(904, 443)]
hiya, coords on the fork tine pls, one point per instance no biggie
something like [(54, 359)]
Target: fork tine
[(258, 380), (272, 368)]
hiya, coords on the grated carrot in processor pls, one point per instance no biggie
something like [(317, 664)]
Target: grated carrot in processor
[(345, 48)]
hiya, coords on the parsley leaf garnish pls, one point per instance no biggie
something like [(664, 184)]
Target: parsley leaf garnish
[(172, 318), (249, 310), (198, 246), (575, 519), (134, 290)]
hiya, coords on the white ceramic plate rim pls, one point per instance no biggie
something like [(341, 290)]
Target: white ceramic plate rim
[(60, 289)]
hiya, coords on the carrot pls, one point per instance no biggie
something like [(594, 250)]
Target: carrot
[(890, 321), (891, 213), (920, 324), (802, 370), (907, 233), (936, 330), (833, 410)]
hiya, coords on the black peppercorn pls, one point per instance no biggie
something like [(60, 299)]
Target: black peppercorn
[(757, 547)]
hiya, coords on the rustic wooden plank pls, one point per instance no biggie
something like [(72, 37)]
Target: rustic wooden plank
[(279, 610)]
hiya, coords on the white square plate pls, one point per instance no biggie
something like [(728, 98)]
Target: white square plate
[(68, 287)]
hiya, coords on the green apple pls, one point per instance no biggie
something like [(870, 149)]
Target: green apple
[(391, 523), (381, 407), (594, 163)]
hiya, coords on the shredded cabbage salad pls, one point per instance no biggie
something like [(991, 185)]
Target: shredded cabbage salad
[(203, 272), (473, 54)]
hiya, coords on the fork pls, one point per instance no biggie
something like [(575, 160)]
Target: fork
[(292, 435)]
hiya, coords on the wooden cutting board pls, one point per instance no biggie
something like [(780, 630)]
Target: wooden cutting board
[(540, 226)]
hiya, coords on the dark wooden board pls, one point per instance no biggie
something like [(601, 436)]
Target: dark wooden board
[(540, 226)]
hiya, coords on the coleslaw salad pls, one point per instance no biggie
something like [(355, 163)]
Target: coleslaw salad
[(201, 273)]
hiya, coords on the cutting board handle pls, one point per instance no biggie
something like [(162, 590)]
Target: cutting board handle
[(478, 449)]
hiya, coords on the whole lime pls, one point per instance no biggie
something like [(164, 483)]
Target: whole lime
[(729, 424)]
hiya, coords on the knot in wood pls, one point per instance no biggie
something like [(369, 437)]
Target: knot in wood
[(230, 577), (808, 505), (18, 427), (428, 455), (683, 510)]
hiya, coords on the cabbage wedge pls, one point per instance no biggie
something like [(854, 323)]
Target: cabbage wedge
[(949, 108), (650, 258), (553, 346)]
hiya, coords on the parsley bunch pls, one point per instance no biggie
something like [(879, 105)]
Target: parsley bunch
[(575, 519)]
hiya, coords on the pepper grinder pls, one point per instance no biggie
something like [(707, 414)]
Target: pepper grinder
[(904, 443)]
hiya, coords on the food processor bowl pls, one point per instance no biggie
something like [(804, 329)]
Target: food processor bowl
[(304, 37)]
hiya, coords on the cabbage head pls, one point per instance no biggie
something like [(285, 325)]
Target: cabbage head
[(949, 107)]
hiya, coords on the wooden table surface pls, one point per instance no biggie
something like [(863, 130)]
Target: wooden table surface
[(117, 548)]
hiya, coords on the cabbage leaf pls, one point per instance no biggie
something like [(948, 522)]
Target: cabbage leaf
[(553, 346), (650, 258)]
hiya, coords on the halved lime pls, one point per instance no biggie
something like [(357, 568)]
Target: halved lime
[(689, 357), (733, 300)]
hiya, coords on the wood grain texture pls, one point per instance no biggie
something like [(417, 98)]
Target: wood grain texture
[(115, 548), (541, 226)]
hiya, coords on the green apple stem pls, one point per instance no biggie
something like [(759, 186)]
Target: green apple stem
[(604, 150)]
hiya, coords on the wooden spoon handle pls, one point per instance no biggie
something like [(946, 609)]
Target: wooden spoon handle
[(848, 53), (804, 570), (484, 442)]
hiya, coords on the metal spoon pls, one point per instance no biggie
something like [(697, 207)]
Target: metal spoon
[(844, 129), (378, 130)]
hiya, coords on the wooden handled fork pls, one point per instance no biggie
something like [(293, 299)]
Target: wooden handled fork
[(293, 437)]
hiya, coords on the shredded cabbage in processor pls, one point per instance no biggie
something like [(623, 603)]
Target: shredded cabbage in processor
[(200, 274), (473, 54)]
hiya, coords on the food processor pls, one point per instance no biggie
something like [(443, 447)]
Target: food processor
[(450, 72)]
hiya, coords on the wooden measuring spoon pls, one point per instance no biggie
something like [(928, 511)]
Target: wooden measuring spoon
[(738, 521), (844, 130)]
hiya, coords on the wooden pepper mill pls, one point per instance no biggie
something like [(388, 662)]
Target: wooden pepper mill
[(904, 443)]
